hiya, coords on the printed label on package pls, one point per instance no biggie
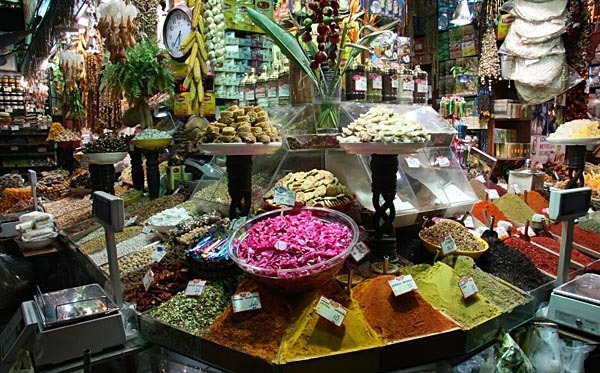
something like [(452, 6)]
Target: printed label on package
[(331, 310)]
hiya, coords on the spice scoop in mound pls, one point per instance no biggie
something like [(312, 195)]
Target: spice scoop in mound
[(294, 250)]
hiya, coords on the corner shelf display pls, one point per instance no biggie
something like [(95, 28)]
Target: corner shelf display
[(437, 186), (25, 149)]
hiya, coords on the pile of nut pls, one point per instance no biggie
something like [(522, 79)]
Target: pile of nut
[(69, 211), (55, 129), (248, 124), (465, 240), (381, 124), (11, 181), (315, 188), (105, 144), (67, 135), (134, 261), (99, 243), (185, 233), (81, 179)]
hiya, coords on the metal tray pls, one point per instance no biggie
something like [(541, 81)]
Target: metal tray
[(381, 147), (73, 305), (585, 288), (240, 148)]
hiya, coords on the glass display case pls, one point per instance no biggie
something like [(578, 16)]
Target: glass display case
[(430, 181)]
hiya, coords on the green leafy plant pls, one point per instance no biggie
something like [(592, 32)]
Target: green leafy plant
[(145, 72), (461, 70), (346, 35), (73, 101)]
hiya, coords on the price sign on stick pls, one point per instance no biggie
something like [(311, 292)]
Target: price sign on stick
[(331, 310), (402, 284), (147, 280), (158, 254), (468, 287), (359, 251), (448, 245), (245, 302), (492, 194), (284, 196), (413, 162), (195, 288)]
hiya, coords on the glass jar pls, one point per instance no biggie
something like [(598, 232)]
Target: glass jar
[(356, 82), (406, 85), (374, 84), (421, 93), (389, 79)]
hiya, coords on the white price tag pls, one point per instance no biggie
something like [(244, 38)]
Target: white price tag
[(14, 148), (159, 254), (516, 188), (245, 302), (147, 229), (443, 161), (480, 178), (502, 233), (5, 128), (360, 83), (331, 310), (26, 125), (413, 162), (284, 196), (492, 193), (147, 280), (43, 127), (194, 288), (14, 128), (402, 284), (468, 287), (530, 231), (408, 85), (359, 251), (469, 223), (448, 245)]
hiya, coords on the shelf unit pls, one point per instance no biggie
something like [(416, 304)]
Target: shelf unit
[(16, 147)]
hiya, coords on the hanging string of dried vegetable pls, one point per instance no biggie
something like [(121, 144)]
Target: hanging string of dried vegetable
[(579, 54), (489, 63), (110, 112), (147, 18), (91, 92)]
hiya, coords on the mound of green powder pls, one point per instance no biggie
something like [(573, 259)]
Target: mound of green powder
[(514, 208)]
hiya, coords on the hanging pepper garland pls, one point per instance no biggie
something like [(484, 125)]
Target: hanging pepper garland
[(489, 63), (579, 54)]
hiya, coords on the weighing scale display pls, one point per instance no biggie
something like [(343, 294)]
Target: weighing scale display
[(109, 210), (569, 204)]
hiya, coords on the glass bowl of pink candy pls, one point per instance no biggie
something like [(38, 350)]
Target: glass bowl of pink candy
[(294, 250)]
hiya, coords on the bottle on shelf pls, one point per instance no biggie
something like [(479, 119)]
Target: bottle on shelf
[(283, 90), (389, 81), (421, 93), (242, 91), (261, 87), (250, 92), (356, 82), (374, 83), (272, 85), (406, 85)]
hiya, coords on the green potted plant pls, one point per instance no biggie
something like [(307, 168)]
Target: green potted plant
[(462, 73), (320, 55), (72, 98), (145, 72)]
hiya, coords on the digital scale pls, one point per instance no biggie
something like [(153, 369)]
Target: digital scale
[(59, 326), (576, 304)]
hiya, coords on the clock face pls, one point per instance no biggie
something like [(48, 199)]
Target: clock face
[(177, 26)]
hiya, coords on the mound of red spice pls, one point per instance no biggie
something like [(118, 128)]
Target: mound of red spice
[(492, 209), (554, 245), (582, 237), (542, 259)]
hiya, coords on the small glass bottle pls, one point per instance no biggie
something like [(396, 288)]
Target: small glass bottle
[(356, 83), (406, 85), (250, 92), (242, 90), (389, 79), (283, 91), (421, 93), (374, 83), (272, 85)]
